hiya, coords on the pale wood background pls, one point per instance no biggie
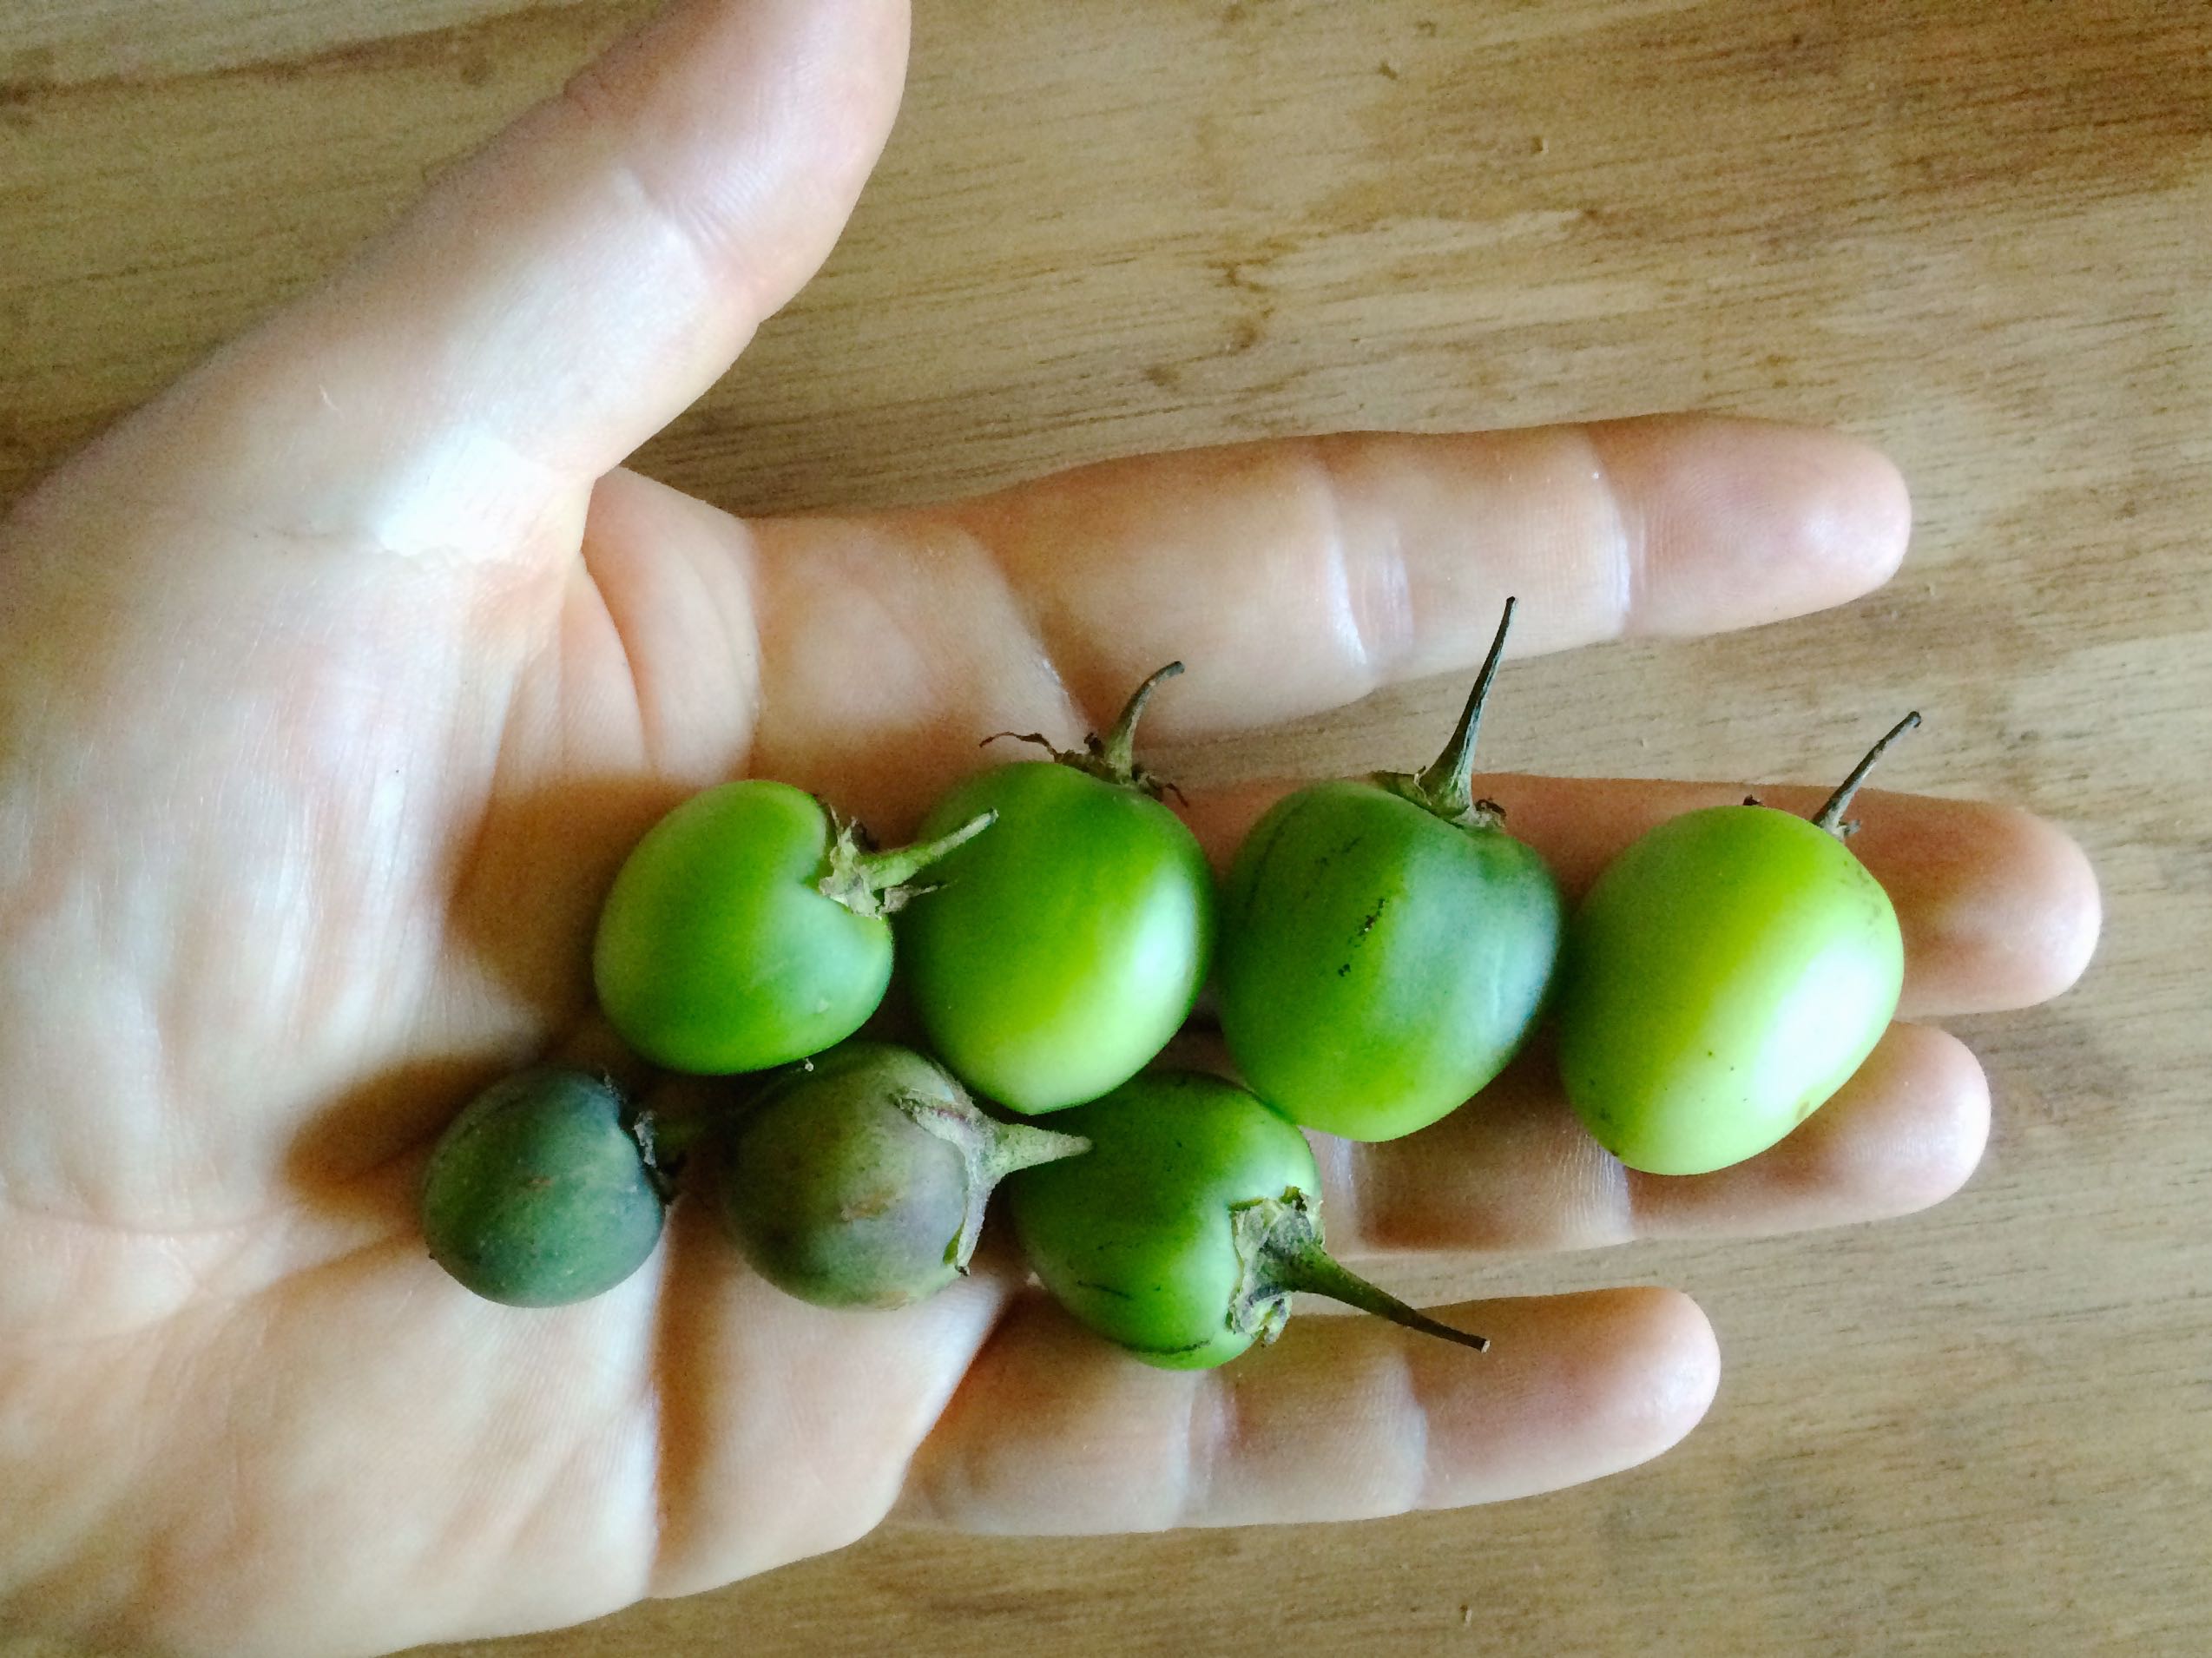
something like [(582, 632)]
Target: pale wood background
[(1979, 234)]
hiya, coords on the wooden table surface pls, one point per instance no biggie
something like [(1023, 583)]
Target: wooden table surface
[(1980, 235)]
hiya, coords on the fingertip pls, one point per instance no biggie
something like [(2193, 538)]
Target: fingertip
[(1665, 1371), (1746, 521), (1906, 1132), (2001, 909), (1956, 1131), (1864, 526), (672, 95), (2063, 904), (1574, 1388)]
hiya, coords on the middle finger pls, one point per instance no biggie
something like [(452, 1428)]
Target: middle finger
[(1514, 1170), (1999, 909)]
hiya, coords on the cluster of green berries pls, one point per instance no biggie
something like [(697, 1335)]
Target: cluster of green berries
[(1379, 950)]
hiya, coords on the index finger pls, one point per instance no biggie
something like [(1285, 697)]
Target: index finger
[(1292, 576), (1306, 574)]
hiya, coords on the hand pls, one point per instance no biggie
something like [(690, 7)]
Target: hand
[(334, 686)]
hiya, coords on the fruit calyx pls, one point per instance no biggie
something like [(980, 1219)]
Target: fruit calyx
[(991, 1150), (1111, 759), (1830, 816), (665, 1143), (662, 1147), (1446, 788), (872, 883), (1279, 1251), (662, 1165)]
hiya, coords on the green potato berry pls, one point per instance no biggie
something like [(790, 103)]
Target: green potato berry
[(1386, 947), (1726, 975), (1182, 1234), (748, 930), (541, 1191), (860, 1180), (1060, 951)]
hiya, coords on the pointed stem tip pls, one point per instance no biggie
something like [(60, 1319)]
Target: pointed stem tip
[(1830, 817), (989, 1149), (876, 884), (1318, 1272), (1119, 748), (1449, 783), (901, 864), (1017, 1146), (1280, 1250)]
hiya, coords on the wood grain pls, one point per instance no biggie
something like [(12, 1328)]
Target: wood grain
[(1977, 235)]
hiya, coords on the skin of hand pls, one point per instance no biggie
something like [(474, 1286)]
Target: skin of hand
[(335, 684)]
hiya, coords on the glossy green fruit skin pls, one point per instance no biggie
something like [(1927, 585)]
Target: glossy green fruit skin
[(537, 1194), (1134, 1238), (715, 952), (833, 1194), (1725, 976), (1061, 950), (1378, 964)]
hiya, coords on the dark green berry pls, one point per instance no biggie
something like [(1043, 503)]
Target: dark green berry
[(542, 1191), (859, 1179)]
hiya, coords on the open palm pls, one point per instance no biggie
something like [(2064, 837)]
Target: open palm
[(334, 686)]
